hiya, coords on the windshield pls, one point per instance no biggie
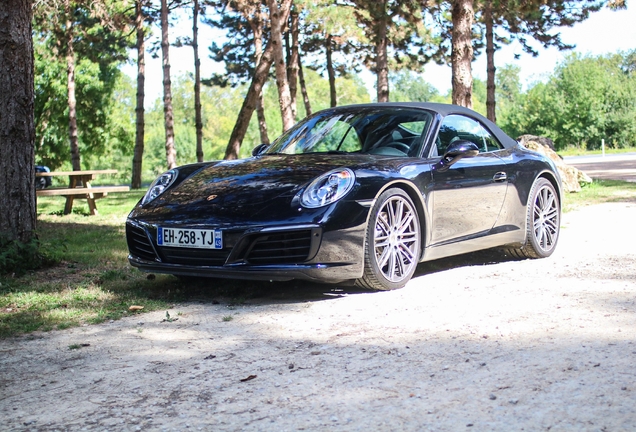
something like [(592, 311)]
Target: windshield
[(374, 130)]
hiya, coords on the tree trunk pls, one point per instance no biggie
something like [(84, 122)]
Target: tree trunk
[(333, 96), (381, 56), (197, 82), (70, 82), (249, 103), (462, 52), (491, 103), (284, 96), (257, 30), (303, 86), (256, 86), (17, 125), (171, 154), (139, 109), (292, 66)]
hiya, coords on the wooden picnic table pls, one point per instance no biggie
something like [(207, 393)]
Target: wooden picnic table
[(79, 186)]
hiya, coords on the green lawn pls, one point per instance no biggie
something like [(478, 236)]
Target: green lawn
[(575, 151), (91, 280)]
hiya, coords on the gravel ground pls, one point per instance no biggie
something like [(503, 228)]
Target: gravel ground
[(475, 344)]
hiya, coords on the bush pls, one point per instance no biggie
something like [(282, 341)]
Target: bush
[(17, 257)]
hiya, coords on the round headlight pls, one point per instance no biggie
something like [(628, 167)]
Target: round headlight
[(157, 187), (328, 188)]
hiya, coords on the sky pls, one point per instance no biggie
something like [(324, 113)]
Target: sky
[(603, 32)]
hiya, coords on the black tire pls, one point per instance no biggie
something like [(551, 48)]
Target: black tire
[(392, 243), (543, 222)]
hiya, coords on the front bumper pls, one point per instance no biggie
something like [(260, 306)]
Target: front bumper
[(302, 251), (329, 273)]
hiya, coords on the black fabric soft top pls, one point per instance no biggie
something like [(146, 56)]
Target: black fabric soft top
[(443, 110)]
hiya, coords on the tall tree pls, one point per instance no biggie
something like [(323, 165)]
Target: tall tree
[(246, 21), (256, 86), (89, 38), (293, 59), (284, 96), (523, 20), (197, 80), (171, 153), (139, 109), (303, 86), (70, 73), (462, 52), (17, 129), (396, 32)]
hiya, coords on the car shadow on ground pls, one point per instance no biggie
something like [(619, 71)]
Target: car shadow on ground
[(237, 292), (479, 258)]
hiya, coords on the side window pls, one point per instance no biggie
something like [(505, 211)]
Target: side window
[(457, 127)]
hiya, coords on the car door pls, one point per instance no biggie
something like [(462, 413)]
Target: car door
[(468, 197)]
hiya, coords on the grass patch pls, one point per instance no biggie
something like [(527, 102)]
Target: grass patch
[(576, 151), (600, 191), (91, 281)]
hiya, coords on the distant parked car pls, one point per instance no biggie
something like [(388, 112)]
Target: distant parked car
[(358, 193), (42, 182)]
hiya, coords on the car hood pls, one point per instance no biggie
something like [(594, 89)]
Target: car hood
[(244, 189)]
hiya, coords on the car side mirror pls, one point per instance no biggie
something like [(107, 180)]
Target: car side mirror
[(259, 149), (456, 151)]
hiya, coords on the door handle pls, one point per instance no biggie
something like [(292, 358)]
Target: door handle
[(500, 176)]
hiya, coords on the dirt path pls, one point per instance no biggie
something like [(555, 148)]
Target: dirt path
[(518, 345)]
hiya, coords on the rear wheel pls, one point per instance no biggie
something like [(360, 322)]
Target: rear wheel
[(543, 222), (392, 245)]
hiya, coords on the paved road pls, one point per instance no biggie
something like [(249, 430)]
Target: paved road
[(609, 167)]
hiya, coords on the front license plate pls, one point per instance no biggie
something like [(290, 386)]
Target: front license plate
[(190, 238)]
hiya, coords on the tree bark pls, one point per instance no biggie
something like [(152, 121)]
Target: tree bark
[(256, 86), (70, 83), (257, 31), (462, 52), (292, 67), (171, 154), (249, 103), (303, 86), (284, 96), (491, 103), (333, 95), (197, 82), (381, 55), (17, 127), (139, 109)]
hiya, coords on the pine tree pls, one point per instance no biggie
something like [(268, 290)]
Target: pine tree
[(17, 129)]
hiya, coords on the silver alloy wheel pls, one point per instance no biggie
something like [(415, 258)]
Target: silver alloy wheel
[(546, 218), (396, 239)]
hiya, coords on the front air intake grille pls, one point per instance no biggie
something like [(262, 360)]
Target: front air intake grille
[(194, 257), (139, 243), (280, 248)]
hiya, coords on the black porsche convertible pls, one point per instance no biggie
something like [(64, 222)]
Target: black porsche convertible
[(358, 194)]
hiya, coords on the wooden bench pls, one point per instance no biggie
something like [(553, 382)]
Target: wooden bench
[(80, 187)]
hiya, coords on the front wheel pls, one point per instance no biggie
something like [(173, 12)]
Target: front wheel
[(392, 246), (543, 222)]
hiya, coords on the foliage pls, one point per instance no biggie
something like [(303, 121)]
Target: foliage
[(99, 50), (219, 110), (587, 99), (17, 258), (410, 87)]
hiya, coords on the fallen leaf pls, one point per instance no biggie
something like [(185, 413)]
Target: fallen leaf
[(249, 378)]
